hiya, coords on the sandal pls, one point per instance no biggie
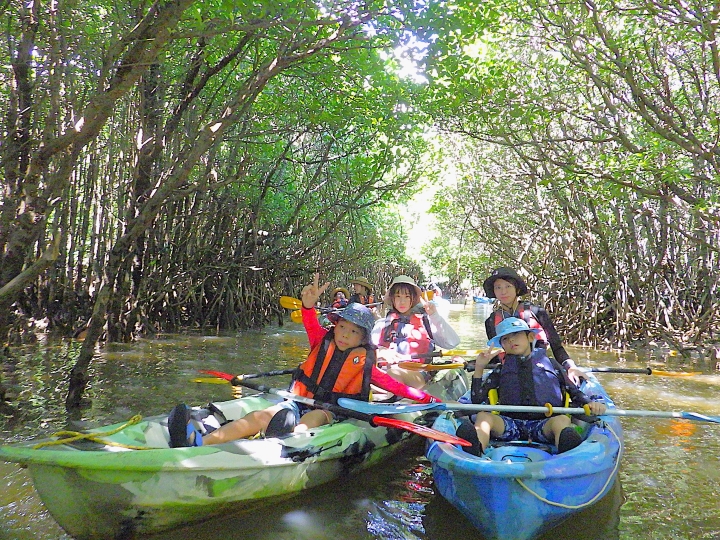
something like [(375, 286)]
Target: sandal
[(282, 423)]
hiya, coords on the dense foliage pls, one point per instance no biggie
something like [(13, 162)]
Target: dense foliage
[(182, 164), (586, 137)]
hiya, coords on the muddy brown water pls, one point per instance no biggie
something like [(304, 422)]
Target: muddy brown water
[(669, 479)]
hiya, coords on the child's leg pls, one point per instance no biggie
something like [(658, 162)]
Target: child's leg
[(487, 424), (313, 419), (247, 426), (554, 426), (414, 379)]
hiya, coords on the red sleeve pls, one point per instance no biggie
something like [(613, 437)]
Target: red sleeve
[(313, 328), (386, 382)]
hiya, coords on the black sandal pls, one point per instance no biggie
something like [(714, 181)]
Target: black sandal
[(282, 423)]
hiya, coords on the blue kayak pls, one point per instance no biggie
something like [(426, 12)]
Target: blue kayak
[(517, 491)]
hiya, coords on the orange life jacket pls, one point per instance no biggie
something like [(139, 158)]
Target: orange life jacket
[(407, 334), (365, 300), (328, 374)]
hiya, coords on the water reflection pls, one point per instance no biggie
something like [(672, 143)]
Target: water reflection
[(670, 481)]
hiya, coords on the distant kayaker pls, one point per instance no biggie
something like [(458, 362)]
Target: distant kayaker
[(340, 301), (506, 286), (362, 291), (412, 326), (341, 364), (526, 376), (362, 294)]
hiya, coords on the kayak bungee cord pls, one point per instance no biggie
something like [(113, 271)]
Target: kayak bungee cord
[(72, 436), (610, 478)]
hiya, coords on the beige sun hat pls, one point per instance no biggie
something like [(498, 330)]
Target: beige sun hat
[(406, 280), (342, 290), (362, 281)]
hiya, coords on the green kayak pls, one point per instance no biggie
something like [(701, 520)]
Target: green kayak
[(130, 482)]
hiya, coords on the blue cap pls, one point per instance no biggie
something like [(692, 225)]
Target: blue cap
[(359, 315), (511, 325)]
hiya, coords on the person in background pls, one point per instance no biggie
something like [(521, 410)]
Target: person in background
[(340, 301), (506, 286), (526, 376), (362, 291), (362, 294), (413, 326), (341, 363)]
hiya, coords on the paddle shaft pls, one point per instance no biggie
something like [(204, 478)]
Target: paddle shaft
[(453, 352), (288, 302), (272, 373), (373, 420), (469, 407), (470, 366), (296, 315)]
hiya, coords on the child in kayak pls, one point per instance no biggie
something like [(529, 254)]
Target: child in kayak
[(362, 291), (526, 376), (413, 326), (341, 364), (340, 301), (506, 286)]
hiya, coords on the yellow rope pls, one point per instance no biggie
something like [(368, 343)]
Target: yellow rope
[(67, 437), (591, 501)]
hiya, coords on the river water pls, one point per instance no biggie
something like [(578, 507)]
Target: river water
[(669, 479)]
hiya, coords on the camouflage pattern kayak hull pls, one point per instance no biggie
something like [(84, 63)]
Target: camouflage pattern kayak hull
[(131, 482)]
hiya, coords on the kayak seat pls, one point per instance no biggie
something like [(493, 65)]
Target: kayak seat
[(527, 444)]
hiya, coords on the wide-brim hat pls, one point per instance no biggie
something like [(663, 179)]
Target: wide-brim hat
[(342, 290), (511, 325), (507, 274), (362, 281), (404, 280)]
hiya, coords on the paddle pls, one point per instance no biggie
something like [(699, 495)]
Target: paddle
[(336, 409), (221, 375), (452, 352), (417, 366), (644, 371), (288, 302), (390, 408)]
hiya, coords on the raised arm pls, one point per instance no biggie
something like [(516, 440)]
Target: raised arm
[(386, 382)]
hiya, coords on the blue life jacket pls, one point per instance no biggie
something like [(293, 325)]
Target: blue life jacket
[(533, 380)]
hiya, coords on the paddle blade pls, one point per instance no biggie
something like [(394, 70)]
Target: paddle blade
[(288, 302), (675, 373), (423, 431), (208, 380), (296, 316), (388, 408), (418, 366), (219, 374)]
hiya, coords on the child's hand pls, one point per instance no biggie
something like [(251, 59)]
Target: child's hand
[(430, 307), (576, 375), (387, 356), (597, 408), (311, 293), (482, 360)]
